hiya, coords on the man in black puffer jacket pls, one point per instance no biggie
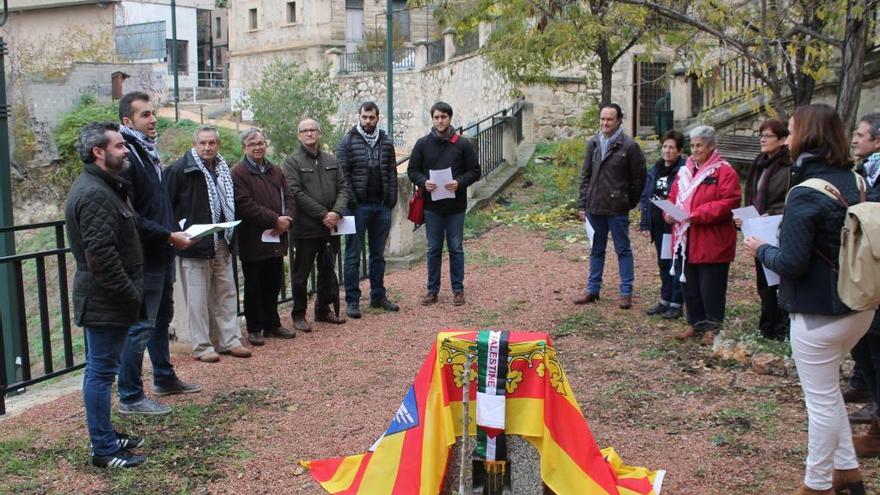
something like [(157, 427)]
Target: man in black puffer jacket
[(366, 157), (108, 284)]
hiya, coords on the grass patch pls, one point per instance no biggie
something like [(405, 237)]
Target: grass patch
[(478, 222), (572, 324), (482, 257), (185, 450), (741, 325), (484, 318)]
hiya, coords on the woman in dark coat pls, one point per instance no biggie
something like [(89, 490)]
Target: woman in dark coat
[(823, 328), (766, 186), (657, 185)]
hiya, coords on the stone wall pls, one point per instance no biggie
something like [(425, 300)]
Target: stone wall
[(468, 83), (48, 101)]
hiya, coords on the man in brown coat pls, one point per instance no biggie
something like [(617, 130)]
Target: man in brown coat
[(265, 207)]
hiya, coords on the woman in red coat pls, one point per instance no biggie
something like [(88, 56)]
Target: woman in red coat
[(707, 189)]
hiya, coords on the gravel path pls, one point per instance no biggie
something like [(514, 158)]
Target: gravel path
[(716, 429)]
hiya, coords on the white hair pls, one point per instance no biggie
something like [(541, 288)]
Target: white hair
[(704, 132)]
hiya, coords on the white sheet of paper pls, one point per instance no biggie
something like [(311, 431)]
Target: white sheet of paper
[(182, 222), (202, 229), (745, 213), (666, 247), (674, 211), (345, 226), (441, 177), (269, 235), (766, 229), (589, 229)]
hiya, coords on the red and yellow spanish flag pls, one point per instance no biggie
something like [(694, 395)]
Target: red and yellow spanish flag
[(411, 457)]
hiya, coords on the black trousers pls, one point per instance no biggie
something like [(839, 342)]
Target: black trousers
[(262, 283), (705, 292), (774, 320), (306, 252)]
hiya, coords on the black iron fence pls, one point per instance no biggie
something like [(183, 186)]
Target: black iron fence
[(402, 58), (436, 52), (47, 344)]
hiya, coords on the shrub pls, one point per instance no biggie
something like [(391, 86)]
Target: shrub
[(287, 93), (176, 139)]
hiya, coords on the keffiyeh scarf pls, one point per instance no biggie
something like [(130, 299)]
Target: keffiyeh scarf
[(689, 179), (145, 142), (872, 168), (372, 138), (220, 193)]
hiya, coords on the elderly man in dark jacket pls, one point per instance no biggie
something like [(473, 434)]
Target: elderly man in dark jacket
[(321, 195), (201, 191), (612, 180), (108, 284), (366, 157), (265, 207), (160, 234), (443, 149)]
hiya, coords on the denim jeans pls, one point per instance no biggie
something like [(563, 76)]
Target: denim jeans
[(450, 227), (670, 287), (618, 225), (102, 363), (150, 334), (373, 222)]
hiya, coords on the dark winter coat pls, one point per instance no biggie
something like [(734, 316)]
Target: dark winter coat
[(432, 152), (811, 223), (318, 187), (258, 204), (353, 157), (103, 233), (150, 201), (188, 193), (612, 185), (651, 215), (774, 175)]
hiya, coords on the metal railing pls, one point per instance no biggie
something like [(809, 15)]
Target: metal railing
[(436, 52), (467, 42), (48, 336), (56, 334), (402, 58)]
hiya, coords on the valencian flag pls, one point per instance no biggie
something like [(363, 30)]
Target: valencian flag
[(410, 458)]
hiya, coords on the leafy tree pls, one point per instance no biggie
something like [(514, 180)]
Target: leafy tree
[(285, 94), (786, 44), (534, 39)]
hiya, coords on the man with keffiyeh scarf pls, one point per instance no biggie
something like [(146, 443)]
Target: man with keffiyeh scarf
[(201, 192), (866, 353), (160, 234)]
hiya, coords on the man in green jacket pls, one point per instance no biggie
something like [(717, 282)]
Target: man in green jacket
[(321, 194)]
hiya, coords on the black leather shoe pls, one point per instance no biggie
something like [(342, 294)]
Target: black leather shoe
[(864, 415), (657, 309), (385, 304), (855, 395), (353, 310), (672, 313)]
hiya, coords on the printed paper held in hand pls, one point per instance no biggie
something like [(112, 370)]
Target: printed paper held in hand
[(441, 177), (271, 236), (344, 226), (766, 229), (745, 213), (589, 229), (674, 211), (202, 229)]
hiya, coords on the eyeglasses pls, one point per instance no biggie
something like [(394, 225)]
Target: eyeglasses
[(309, 131), (769, 136), (261, 144)]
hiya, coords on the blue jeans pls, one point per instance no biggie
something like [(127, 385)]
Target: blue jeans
[(151, 334), (618, 225), (102, 363), (450, 227), (372, 221)]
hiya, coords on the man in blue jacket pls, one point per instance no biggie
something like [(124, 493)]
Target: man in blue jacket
[(159, 236)]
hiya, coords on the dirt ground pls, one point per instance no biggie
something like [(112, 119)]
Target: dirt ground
[(716, 428)]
